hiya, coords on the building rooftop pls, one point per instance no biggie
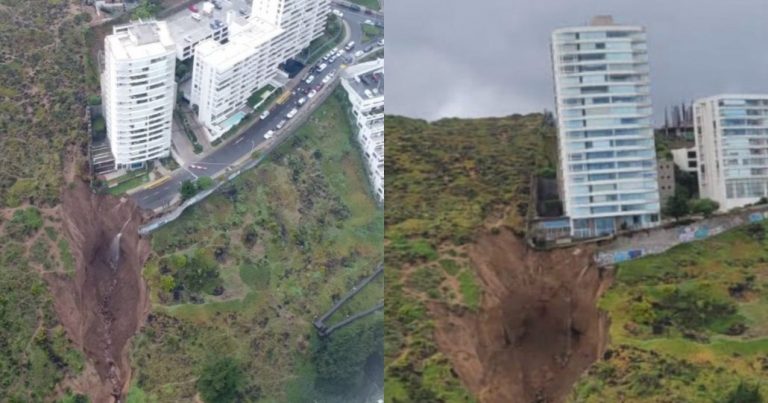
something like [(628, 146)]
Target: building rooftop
[(182, 25), (599, 23), (140, 39), (366, 79), (601, 20), (244, 37)]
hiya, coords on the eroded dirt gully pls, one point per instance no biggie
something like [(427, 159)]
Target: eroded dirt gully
[(539, 327), (104, 303)]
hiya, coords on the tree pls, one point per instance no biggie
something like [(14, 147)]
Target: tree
[(745, 393), (704, 206), (204, 182), (199, 273), (221, 381), (188, 189), (340, 358), (677, 206), (146, 9)]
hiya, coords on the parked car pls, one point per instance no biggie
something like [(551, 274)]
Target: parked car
[(338, 13), (359, 53), (301, 101), (326, 79), (380, 42), (310, 79), (193, 8), (196, 17), (281, 124), (368, 48), (292, 113), (264, 115), (318, 87), (321, 67), (312, 93), (268, 135), (350, 46), (243, 12)]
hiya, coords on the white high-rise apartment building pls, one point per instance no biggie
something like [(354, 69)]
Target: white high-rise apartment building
[(731, 133), (607, 156), (301, 20), (364, 84), (224, 76), (139, 92)]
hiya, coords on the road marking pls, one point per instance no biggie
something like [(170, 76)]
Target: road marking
[(190, 172)]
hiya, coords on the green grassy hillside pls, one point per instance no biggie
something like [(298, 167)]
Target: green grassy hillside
[(690, 325), (42, 106), (35, 353), (446, 181), (244, 274), (42, 96)]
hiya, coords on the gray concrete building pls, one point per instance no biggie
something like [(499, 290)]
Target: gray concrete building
[(666, 174)]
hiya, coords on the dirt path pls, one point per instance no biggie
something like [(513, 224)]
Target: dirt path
[(104, 304), (538, 328)]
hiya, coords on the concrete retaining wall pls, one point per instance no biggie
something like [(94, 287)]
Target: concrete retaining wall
[(658, 240), (222, 177)]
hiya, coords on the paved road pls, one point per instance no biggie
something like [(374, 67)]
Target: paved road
[(236, 149)]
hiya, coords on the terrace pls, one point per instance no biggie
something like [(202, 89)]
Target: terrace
[(187, 31)]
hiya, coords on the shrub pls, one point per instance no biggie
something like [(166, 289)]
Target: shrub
[(696, 309), (24, 223), (222, 380), (677, 206), (188, 189), (99, 125), (755, 231), (745, 393), (704, 207), (198, 273), (204, 182)]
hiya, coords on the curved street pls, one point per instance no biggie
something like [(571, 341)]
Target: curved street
[(240, 148)]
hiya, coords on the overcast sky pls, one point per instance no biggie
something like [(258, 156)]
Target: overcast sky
[(457, 58)]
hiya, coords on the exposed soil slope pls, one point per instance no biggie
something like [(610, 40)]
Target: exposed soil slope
[(538, 327), (104, 304)]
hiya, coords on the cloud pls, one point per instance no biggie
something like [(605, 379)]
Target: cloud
[(466, 59)]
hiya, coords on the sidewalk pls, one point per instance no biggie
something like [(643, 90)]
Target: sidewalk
[(180, 143)]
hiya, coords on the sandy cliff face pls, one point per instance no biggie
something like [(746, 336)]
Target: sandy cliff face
[(538, 328), (105, 302)]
